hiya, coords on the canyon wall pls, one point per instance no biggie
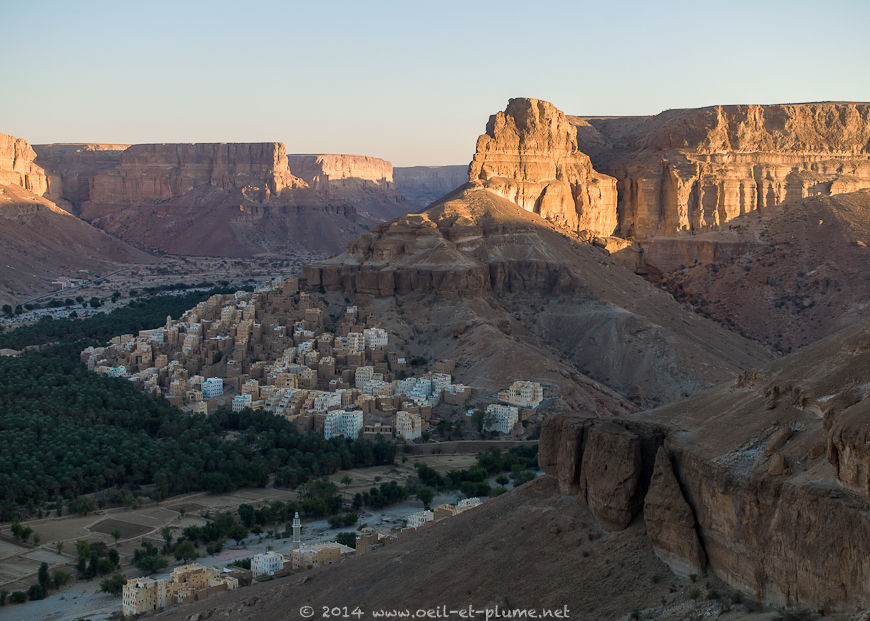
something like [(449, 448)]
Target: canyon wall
[(762, 481), (71, 167), (695, 169), (160, 172), (425, 184), (529, 155), (342, 175), (17, 166)]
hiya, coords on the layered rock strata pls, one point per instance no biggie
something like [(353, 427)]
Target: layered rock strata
[(696, 169), (529, 155), (18, 168), (72, 167), (160, 172), (742, 482), (342, 174)]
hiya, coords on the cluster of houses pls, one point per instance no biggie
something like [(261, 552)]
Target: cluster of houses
[(194, 582), (270, 350), (186, 583)]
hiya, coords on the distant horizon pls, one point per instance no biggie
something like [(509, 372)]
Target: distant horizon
[(413, 85)]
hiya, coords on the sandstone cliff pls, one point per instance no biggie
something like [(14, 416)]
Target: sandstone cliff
[(335, 173), (425, 184), (235, 199), (71, 168), (529, 155), (693, 170), (160, 172), (531, 284), (17, 166), (764, 480)]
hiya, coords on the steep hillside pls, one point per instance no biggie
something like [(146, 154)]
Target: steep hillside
[(40, 242), (762, 481), (504, 291), (787, 276), (498, 554)]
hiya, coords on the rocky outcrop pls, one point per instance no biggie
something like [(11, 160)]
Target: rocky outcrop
[(739, 477), (17, 166), (610, 475), (529, 155), (71, 168), (670, 522), (425, 184), (696, 169)]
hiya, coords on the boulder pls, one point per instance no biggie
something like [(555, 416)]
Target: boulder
[(670, 522)]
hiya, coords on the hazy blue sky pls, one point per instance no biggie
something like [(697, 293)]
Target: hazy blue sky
[(413, 82)]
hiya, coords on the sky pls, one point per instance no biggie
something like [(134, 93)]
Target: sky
[(411, 82)]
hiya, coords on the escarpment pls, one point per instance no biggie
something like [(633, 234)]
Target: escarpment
[(18, 167), (679, 171), (696, 169), (72, 167), (529, 155), (160, 172), (762, 481)]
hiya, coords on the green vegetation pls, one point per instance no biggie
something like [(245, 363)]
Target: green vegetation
[(148, 559), (95, 559), (113, 585), (520, 461), (346, 539), (346, 520), (66, 432)]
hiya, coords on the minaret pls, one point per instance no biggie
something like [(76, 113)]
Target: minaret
[(297, 532)]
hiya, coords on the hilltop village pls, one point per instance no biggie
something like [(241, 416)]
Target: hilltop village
[(271, 350)]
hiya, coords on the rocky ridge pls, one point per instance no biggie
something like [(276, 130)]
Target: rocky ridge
[(755, 480), (236, 193), (786, 276)]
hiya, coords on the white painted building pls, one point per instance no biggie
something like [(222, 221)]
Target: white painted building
[(408, 425), (343, 423), (416, 520), (363, 375), (524, 394), (326, 400), (240, 402), (503, 417), (213, 387), (375, 337), (266, 564)]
